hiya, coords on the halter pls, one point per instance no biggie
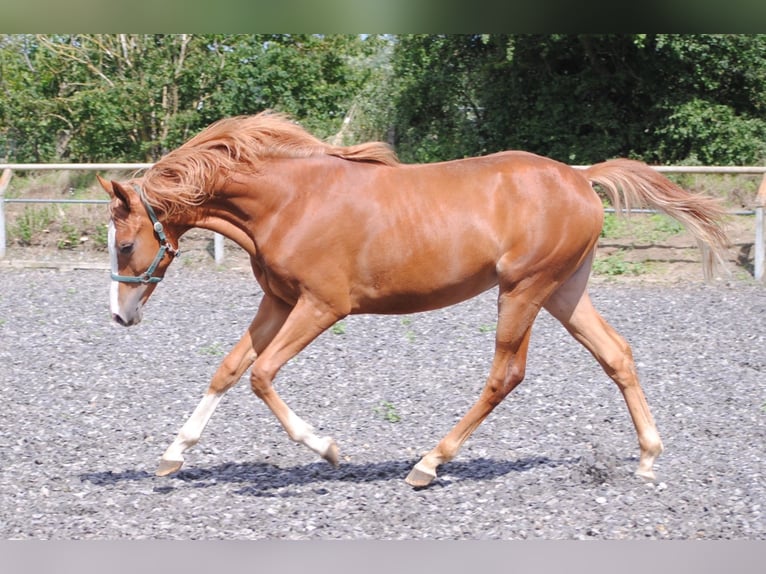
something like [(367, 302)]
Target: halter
[(165, 247)]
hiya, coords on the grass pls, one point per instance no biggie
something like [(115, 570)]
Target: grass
[(45, 225), (339, 328), (488, 328), (65, 226), (641, 227), (214, 349), (664, 226), (615, 264), (101, 236), (408, 333), (387, 411), (30, 223), (71, 236)]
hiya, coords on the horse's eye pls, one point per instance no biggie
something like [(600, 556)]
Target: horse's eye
[(126, 248)]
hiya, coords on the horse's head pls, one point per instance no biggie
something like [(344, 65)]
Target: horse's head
[(140, 251)]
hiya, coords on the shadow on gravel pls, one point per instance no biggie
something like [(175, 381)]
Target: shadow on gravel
[(262, 479), (112, 478), (488, 468)]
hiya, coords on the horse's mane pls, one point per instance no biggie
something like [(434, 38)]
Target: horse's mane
[(183, 177)]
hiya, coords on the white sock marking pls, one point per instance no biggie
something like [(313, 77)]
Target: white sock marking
[(302, 432), (190, 433)]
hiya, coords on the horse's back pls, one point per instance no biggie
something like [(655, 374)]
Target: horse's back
[(435, 234), (514, 200)]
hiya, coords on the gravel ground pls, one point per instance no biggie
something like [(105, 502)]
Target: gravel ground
[(91, 407)]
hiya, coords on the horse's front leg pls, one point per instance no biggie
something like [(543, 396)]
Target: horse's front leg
[(270, 317), (306, 322)]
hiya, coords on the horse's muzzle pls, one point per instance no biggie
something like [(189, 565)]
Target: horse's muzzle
[(120, 320)]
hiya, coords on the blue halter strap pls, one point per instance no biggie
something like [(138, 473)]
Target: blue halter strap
[(165, 247)]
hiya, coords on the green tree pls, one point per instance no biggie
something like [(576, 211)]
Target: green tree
[(131, 97), (713, 105), (577, 98), (437, 112), (582, 98), (27, 113)]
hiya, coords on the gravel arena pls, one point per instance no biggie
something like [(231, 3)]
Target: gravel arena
[(91, 406)]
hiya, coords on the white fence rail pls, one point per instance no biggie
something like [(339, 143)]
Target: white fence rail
[(9, 168)]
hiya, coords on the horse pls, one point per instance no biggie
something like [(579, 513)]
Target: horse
[(338, 230)]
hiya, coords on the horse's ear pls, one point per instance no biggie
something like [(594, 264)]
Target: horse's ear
[(106, 184), (115, 191)]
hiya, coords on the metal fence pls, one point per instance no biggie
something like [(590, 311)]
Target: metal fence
[(759, 263)]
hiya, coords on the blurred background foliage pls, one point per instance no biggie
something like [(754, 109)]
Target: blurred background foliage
[(666, 99)]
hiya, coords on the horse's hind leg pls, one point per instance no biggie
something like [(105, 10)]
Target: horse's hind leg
[(270, 317), (572, 306), (515, 317)]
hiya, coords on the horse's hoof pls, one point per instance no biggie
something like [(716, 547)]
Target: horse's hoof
[(420, 477), (332, 454), (168, 467), (647, 475)]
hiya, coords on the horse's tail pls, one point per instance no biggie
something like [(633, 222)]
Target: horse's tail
[(630, 184)]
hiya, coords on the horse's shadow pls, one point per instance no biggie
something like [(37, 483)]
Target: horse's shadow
[(263, 479)]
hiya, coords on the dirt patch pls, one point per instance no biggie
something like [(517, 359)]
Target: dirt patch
[(676, 258)]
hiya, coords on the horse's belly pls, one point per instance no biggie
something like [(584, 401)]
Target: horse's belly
[(417, 292)]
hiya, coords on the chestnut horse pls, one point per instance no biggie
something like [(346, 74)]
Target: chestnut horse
[(336, 230)]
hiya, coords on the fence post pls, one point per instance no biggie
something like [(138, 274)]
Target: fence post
[(760, 245), (5, 179), (218, 248)]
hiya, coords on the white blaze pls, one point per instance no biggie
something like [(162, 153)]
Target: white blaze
[(114, 303)]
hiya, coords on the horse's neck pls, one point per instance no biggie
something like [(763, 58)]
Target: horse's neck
[(219, 216), (247, 205)]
